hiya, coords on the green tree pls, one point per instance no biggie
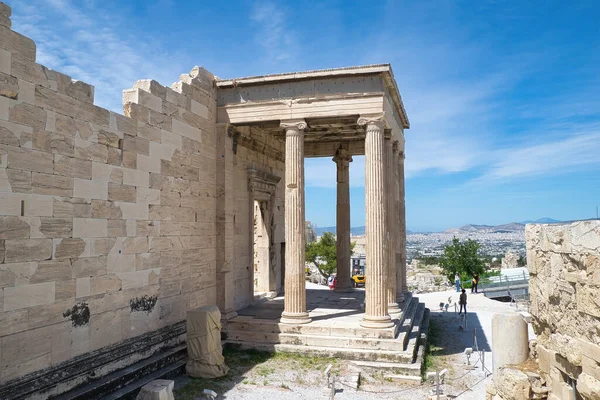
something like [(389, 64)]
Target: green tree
[(462, 257), (522, 261), (322, 253)]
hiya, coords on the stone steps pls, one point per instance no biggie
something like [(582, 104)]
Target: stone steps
[(133, 377), (317, 340), (333, 352)]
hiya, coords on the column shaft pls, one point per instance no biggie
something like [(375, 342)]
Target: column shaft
[(343, 254), (376, 301), (392, 227), (399, 240), (402, 226), (295, 284)]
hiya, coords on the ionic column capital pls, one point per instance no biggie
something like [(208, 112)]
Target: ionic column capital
[(372, 121), (342, 156), (293, 126)]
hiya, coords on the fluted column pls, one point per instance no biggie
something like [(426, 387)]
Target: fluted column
[(392, 227), (399, 242), (376, 301), (402, 224), (295, 284), (342, 226)]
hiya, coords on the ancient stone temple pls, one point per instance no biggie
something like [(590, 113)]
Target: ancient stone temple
[(113, 226)]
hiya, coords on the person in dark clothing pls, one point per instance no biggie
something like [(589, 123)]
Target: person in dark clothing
[(463, 302), (475, 282)]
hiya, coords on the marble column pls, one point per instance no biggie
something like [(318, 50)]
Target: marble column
[(294, 311), (376, 299), (392, 226), (402, 223), (343, 159), (399, 197)]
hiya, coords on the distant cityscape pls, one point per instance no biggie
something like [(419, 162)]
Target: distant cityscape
[(494, 240)]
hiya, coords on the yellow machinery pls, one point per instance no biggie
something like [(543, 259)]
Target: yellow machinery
[(358, 277)]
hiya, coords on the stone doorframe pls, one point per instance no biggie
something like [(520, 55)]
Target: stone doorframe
[(262, 186)]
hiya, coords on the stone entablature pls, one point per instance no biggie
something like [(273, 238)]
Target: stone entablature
[(564, 264)]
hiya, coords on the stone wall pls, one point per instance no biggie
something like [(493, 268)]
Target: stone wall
[(564, 264), (113, 226)]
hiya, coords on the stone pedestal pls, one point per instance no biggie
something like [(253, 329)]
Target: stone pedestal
[(376, 300), (510, 340), (295, 284), (343, 159), (160, 389)]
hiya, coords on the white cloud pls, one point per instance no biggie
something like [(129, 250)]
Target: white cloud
[(91, 46), (272, 33)]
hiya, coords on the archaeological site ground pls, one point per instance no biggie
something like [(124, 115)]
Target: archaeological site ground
[(114, 226)]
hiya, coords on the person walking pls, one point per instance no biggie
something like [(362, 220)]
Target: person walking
[(330, 282), (457, 282), (463, 302), (475, 282)]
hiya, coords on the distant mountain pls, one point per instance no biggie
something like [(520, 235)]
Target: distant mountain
[(544, 220), (512, 227)]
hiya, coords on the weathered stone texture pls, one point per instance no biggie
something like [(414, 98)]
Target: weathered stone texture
[(102, 208), (565, 301)]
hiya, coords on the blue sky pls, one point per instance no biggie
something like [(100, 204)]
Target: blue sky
[(503, 96)]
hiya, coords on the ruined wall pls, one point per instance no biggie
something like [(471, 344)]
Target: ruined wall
[(111, 226), (564, 264)]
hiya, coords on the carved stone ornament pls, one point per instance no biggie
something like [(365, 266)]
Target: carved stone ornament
[(343, 156), (293, 126), (262, 184), (376, 120)]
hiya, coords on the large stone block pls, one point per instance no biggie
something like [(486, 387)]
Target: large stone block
[(53, 185), (125, 193), (26, 352), (13, 227), (106, 329), (72, 167), (30, 160), (9, 86), (69, 248), (57, 227), (52, 270), (18, 181), (135, 245), (89, 266), (71, 106), (27, 114), (588, 300), (160, 389), (28, 250), (106, 209), (28, 296), (89, 227), (53, 142)]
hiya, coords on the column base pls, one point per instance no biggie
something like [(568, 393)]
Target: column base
[(399, 298), (228, 315), (377, 322), (346, 289), (393, 309), (295, 318)]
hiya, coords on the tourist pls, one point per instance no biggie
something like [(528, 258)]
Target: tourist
[(463, 302), (457, 282), (475, 282), (330, 282)]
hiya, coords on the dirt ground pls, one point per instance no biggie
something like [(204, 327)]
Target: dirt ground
[(257, 375)]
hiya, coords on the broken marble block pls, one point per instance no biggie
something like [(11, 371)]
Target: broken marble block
[(160, 389)]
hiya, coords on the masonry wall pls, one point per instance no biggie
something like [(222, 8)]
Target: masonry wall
[(564, 264), (111, 226)]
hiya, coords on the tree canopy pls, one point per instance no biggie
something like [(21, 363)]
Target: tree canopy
[(462, 257), (322, 253)]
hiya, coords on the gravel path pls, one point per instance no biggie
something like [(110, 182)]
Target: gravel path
[(298, 377)]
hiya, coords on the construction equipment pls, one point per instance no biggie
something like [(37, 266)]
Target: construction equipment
[(358, 277)]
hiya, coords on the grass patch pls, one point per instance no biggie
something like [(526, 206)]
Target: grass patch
[(249, 366), (433, 358)]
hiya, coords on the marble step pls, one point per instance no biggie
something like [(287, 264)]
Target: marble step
[(321, 351), (132, 376), (408, 322), (316, 340)]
